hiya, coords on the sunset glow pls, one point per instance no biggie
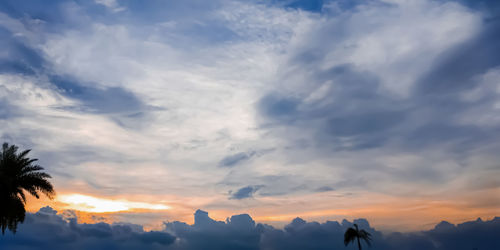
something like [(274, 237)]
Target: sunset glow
[(99, 205)]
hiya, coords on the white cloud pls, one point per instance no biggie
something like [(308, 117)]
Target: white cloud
[(111, 4)]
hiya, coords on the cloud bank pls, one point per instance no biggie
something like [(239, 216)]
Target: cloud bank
[(47, 230)]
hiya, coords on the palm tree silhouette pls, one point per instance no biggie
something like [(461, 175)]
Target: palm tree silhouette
[(353, 233), (18, 173)]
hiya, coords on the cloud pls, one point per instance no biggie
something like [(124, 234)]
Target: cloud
[(118, 103), (25, 58), (112, 4), (244, 192), (241, 232), (349, 103), (114, 100), (7, 111), (233, 160), (47, 230), (324, 189), (19, 57), (241, 157), (362, 95)]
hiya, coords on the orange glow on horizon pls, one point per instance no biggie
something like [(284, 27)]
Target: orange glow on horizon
[(391, 213), (92, 204)]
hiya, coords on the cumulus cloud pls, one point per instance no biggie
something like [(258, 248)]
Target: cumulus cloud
[(241, 232), (48, 230)]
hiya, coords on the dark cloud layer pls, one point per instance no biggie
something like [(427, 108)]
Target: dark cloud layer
[(46, 230), (241, 232)]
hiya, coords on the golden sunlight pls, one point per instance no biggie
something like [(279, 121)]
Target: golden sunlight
[(99, 205)]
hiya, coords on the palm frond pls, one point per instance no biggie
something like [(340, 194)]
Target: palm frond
[(19, 193), (31, 168), (19, 174), (350, 236), (353, 233), (365, 236), (23, 154), (37, 182)]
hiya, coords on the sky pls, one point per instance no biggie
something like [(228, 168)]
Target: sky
[(144, 112)]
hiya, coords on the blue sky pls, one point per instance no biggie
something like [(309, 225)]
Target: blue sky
[(385, 110)]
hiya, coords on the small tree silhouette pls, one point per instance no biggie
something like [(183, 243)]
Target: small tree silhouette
[(353, 233), (18, 174)]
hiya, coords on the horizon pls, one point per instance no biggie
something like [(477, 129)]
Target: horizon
[(145, 112), (82, 217), (238, 232)]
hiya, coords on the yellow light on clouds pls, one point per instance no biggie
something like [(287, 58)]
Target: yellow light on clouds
[(99, 205)]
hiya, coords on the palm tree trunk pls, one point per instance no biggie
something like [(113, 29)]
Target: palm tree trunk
[(359, 244)]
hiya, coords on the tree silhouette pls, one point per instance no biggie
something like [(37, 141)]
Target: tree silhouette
[(18, 174), (353, 233)]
